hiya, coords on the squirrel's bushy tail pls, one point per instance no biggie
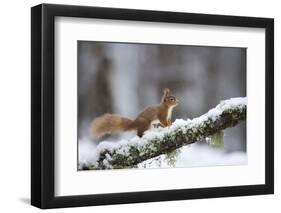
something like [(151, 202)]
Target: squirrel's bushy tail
[(111, 123)]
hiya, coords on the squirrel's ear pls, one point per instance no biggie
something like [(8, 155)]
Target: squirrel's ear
[(167, 91)]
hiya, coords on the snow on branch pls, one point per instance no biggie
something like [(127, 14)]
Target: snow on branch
[(158, 141)]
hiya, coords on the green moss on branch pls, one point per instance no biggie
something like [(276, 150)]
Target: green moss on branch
[(129, 155)]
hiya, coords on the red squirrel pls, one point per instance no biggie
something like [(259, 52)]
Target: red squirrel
[(162, 112)]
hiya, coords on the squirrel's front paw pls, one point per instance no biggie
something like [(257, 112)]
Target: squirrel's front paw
[(169, 122)]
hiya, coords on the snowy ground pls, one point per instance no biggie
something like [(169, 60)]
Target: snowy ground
[(199, 155)]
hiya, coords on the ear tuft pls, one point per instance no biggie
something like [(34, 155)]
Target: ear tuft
[(167, 91)]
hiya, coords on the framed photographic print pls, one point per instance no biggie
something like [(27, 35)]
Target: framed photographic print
[(139, 106)]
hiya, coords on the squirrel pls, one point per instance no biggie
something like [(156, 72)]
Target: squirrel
[(162, 112)]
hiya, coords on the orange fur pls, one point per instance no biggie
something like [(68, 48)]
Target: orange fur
[(111, 123)]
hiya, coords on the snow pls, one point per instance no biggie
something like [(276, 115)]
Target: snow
[(193, 155), (233, 102), (89, 153), (196, 155), (214, 113)]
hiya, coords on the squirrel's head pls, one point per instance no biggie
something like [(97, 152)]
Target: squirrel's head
[(169, 99)]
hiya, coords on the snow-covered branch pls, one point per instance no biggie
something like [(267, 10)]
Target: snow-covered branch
[(158, 141)]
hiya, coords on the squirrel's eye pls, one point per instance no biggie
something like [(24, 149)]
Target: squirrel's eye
[(171, 99)]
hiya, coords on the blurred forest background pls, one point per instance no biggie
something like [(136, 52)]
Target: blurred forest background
[(124, 78)]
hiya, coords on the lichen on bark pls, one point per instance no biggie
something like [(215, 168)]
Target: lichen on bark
[(225, 115)]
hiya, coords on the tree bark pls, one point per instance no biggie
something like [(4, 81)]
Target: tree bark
[(165, 140)]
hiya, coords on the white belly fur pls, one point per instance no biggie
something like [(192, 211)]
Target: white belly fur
[(169, 116), (156, 121)]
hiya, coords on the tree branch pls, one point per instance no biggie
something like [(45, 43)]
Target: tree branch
[(158, 141)]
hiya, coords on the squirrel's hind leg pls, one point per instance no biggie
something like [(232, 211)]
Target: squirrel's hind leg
[(140, 133), (142, 127)]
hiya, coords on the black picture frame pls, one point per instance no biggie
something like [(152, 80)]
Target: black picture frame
[(43, 102)]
